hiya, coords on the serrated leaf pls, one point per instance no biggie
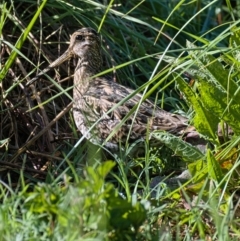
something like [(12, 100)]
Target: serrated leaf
[(215, 101), (181, 148), (219, 92), (203, 120)]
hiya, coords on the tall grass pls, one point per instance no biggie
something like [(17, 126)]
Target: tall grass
[(47, 193)]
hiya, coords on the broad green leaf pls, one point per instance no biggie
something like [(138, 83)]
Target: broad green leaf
[(123, 214), (181, 148), (219, 92), (105, 168), (214, 168), (216, 100), (198, 170), (203, 120)]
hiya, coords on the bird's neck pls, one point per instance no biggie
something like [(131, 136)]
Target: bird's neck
[(89, 65), (85, 70)]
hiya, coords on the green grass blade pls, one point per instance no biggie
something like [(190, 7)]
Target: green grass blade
[(20, 42)]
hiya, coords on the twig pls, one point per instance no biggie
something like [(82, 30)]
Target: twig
[(30, 142), (36, 153), (18, 167)]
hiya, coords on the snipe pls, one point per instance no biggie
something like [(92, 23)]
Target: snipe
[(97, 112)]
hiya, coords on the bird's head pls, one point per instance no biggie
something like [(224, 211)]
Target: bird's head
[(85, 42)]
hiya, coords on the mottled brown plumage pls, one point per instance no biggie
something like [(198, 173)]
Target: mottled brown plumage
[(95, 96)]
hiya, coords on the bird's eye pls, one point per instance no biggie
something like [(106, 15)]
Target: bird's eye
[(79, 37)]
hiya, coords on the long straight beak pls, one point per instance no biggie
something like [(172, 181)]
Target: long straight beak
[(65, 56)]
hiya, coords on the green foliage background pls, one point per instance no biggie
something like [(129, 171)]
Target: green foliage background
[(46, 191)]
